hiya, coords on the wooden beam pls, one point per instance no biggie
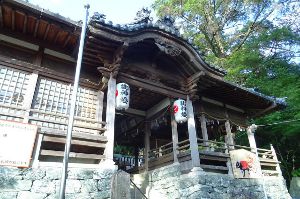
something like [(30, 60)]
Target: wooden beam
[(13, 16), (46, 32), (56, 37), (135, 112), (155, 87), (144, 68), (25, 24), (37, 23), (72, 154), (265, 110), (25, 38), (92, 45), (1, 17), (74, 142), (49, 131), (218, 103), (102, 42), (158, 107), (67, 40), (39, 57)]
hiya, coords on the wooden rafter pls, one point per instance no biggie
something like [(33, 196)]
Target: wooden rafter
[(36, 27), (25, 23), (13, 16), (149, 85), (103, 42), (67, 40), (56, 37), (47, 31), (1, 17)]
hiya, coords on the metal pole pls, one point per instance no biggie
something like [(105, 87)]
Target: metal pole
[(72, 108)]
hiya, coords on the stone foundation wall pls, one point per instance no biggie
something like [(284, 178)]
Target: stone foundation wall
[(168, 182), (44, 183)]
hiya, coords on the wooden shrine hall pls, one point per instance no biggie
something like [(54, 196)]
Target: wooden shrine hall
[(37, 62)]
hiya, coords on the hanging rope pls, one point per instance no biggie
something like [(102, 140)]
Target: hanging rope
[(275, 123)]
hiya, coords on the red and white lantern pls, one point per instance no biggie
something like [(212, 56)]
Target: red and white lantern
[(122, 96), (179, 108)]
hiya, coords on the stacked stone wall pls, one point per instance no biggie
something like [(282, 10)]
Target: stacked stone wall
[(169, 183), (44, 183)]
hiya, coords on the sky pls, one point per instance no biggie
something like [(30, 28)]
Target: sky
[(118, 11)]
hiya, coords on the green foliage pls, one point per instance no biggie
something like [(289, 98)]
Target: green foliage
[(124, 150), (296, 173)]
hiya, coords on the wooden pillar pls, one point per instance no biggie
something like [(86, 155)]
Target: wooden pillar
[(229, 134), (33, 78), (192, 133), (136, 156), (250, 132), (147, 145), (110, 119), (99, 110), (204, 129), (174, 137)]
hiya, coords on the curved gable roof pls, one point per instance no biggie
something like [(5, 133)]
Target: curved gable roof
[(162, 33)]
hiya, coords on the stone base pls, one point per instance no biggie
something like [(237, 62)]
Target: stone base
[(44, 183), (169, 183)]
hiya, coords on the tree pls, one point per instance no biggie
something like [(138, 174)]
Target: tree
[(221, 27)]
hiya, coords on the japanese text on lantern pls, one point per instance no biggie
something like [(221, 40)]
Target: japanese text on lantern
[(16, 143)]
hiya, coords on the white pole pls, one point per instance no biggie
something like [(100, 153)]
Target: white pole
[(72, 108)]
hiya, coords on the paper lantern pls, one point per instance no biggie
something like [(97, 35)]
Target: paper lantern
[(122, 96), (180, 113)]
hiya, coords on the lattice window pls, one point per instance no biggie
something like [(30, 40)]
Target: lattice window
[(52, 103), (55, 97), (13, 86)]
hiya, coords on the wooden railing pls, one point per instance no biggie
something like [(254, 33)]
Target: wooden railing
[(210, 145), (161, 156), (213, 150), (161, 151)]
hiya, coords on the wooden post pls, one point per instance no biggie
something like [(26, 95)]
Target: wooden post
[(147, 145), (250, 132), (99, 110), (29, 95), (276, 159), (136, 156), (192, 133), (229, 134), (27, 105), (110, 119), (229, 141), (174, 137), (204, 129)]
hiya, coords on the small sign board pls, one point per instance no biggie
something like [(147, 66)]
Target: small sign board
[(245, 164), (16, 143)]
